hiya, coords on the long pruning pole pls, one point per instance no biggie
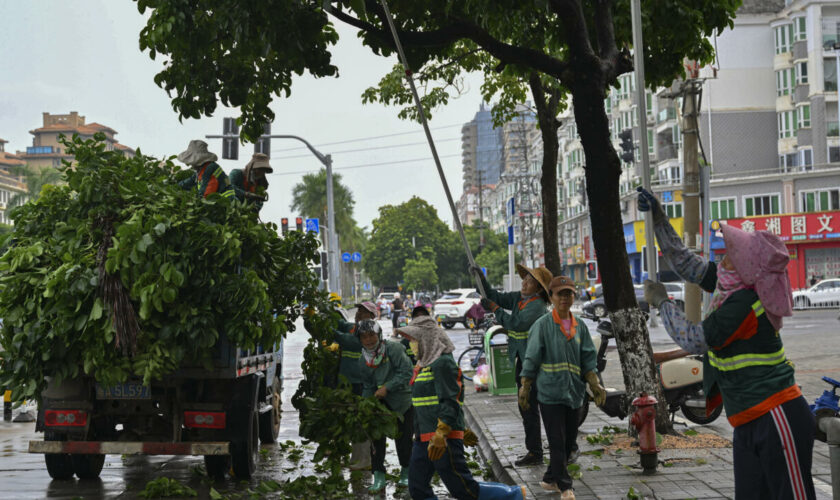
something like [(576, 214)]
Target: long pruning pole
[(409, 76)]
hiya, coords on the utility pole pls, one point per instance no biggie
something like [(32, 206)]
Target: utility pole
[(691, 188), (641, 105)]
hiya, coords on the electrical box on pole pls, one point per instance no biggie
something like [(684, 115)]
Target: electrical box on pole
[(263, 144), (230, 145)]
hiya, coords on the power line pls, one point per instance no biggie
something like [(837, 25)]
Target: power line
[(361, 139), (366, 165), (404, 145)]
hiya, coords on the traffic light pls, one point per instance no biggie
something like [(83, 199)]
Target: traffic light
[(626, 137), (284, 225), (592, 270), (230, 145), (324, 267), (299, 223)]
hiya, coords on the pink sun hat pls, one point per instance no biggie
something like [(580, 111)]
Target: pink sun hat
[(761, 260)]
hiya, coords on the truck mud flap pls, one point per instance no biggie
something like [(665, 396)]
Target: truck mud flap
[(128, 448)]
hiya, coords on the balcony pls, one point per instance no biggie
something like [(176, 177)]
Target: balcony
[(39, 150), (832, 129)]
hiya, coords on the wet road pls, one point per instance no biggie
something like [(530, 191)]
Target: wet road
[(24, 476)]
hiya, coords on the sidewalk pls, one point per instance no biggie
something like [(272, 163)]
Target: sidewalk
[(690, 473)]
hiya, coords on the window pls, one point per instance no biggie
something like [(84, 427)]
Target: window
[(799, 31), (834, 154), (830, 75), (830, 31), (674, 210), (767, 204), (608, 105), (815, 201), (650, 141), (787, 124), (801, 72), (806, 159), (723, 209), (803, 116), (676, 135), (784, 81), (649, 103), (784, 37)]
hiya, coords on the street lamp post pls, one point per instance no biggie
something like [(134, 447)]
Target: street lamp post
[(334, 280)]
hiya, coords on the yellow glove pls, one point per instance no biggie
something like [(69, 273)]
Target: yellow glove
[(599, 395), (525, 393), (330, 347), (437, 445), (470, 439)]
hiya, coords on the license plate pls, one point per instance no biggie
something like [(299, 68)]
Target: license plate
[(127, 390)]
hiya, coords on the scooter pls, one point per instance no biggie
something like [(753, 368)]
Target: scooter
[(681, 377)]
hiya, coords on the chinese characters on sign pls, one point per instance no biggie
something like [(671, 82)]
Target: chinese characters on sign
[(793, 228)]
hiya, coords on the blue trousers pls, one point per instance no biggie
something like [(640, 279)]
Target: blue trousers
[(451, 467)]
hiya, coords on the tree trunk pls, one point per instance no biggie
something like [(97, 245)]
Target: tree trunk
[(547, 118), (603, 170)]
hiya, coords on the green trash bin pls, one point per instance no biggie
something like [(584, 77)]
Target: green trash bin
[(502, 376)]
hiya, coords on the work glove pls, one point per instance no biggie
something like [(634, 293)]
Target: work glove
[(655, 293), (647, 201), (525, 393), (470, 439), (599, 394), (488, 304), (333, 347), (437, 445)]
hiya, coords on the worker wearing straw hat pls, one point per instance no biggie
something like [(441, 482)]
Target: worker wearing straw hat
[(525, 306)]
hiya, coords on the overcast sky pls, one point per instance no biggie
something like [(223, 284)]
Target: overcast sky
[(83, 55)]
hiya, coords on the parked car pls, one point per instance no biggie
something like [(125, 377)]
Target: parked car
[(676, 292), (598, 309), (825, 293), (452, 306)]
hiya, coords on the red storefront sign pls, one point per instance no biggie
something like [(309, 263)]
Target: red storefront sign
[(794, 228)]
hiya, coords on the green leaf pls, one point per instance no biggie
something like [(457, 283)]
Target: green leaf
[(96, 310)]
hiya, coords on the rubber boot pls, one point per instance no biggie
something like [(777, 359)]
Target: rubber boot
[(499, 491), (379, 482), (360, 457), (403, 482)]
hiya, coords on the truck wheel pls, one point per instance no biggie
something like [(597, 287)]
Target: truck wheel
[(59, 465), (217, 466), (87, 466), (245, 446), (270, 420)]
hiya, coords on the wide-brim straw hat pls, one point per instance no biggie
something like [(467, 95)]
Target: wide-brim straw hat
[(541, 274), (259, 162), (196, 154)]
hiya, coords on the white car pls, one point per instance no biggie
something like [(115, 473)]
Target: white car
[(453, 305), (826, 293)]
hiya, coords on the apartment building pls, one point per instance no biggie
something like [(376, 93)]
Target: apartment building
[(11, 184), (47, 150)]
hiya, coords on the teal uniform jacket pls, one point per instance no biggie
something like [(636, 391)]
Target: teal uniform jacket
[(241, 186), (523, 313), (394, 372), (209, 179), (558, 360), (351, 351), (437, 392)]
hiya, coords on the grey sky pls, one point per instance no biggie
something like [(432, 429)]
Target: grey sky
[(83, 55)]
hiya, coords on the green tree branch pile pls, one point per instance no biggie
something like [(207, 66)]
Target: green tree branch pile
[(119, 273)]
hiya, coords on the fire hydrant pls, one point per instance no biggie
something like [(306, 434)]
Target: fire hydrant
[(644, 420)]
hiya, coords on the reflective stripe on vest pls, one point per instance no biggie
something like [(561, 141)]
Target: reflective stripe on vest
[(560, 367), (518, 335), (351, 354), (425, 375), (746, 360), (425, 401)]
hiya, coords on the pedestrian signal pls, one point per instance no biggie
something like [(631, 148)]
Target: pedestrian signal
[(592, 270), (299, 223)]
